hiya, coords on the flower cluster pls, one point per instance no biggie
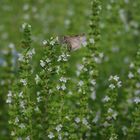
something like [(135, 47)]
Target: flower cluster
[(134, 96), (110, 114), (7, 70), (57, 128), (87, 74), (115, 83), (19, 99), (45, 89)]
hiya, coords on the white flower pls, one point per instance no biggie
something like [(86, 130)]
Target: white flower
[(36, 109), (115, 49), (26, 7), (81, 83), (70, 93), (9, 93), (59, 58), (25, 24), (23, 81), (22, 104), (85, 69), (138, 70), (27, 138), (84, 43), (16, 120), (97, 60), (21, 58), (11, 46), (59, 137), (38, 93), (106, 124), (137, 92), (63, 57), (126, 1), (131, 65), (95, 120), (2, 82), (113, 137), (84, 121), (22, 126), (26, 17), (19, 138), (48, 60), (63, 79), (91, 40), (63, 87), (110, 78), (110, 110), (137, 100), (124, 130), (29, 26), (67, 22), (12, 133), (79, 90), (51, 135), (138, 85), (77, 119), (101, 55), (58, 87), (106, 99), (112, 114), (116, 78), (45, 42), (9, 101), (37, 79), (42, 63), (57, 69), (80, 67), (93, 82), (50, 69), (39, 99), (130, 75), (112, 86), (77, 73), (52, 42), (119, 84), (93, 95), (21, 94), (58, 127), (67, 117), (91, 72), (31, 53), (126, 60)]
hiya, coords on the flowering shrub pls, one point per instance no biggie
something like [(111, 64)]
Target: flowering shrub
[(46, 93)]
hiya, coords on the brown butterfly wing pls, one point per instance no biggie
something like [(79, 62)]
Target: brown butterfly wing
[(74, 42)]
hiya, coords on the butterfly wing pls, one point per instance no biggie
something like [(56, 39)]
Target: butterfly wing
[(74, 42)]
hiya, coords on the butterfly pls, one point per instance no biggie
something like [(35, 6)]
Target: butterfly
[(73, 42)]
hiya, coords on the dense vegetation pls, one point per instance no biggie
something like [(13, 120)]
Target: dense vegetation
[(49, 92)]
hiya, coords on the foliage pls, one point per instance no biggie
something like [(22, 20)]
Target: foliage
[(50, 92)]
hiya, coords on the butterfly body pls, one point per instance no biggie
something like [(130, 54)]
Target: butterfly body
[(73, 42)]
